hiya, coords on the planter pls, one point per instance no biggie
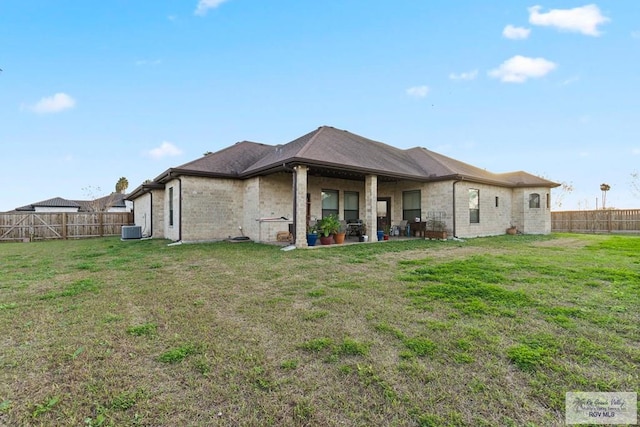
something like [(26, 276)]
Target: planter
[(512, 230), (363, 238), (438, 235), (326, 240), (385, 237), (312, 238), (380, 234), (339, 238)]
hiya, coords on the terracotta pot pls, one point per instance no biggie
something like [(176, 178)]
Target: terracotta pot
[(339, 238), (512, 230), (326, 240)]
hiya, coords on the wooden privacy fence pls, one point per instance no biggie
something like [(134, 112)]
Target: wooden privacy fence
[(598, 221), (24, 227)]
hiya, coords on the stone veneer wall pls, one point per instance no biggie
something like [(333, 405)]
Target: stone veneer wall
[(211, 208), (275, 200), (315, 185), (532, 220), (142, 214), (157, 214), (494, 220), (172, 232)]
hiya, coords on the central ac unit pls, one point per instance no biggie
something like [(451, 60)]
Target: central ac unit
[(131, 232)]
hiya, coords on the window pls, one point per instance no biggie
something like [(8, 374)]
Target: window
[(170, 206), (534, 200), (474, 206), (411, 201), (548, 201), (329, 202), (351, 200), (497, 201)]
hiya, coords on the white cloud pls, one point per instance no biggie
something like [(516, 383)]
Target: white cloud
[(520, 68), (166, 149), (635, 151), (468, 75), (418, 91), (53, 104), (515, 33), (583, 19), (204, 6)]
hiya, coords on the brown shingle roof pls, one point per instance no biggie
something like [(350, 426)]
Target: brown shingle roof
[(231, 161), (113, 200), (56, 202), (331, 147), (336, 149)]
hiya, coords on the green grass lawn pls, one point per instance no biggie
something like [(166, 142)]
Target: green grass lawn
[(491, 331)]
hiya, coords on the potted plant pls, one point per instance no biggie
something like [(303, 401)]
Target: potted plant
[(363, 233), (435, 229), (312, 235), (328, 226), (512, 230), (387, 232), (339, 234)]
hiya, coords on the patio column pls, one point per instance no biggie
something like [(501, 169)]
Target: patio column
[(300, 218), (370, 202)]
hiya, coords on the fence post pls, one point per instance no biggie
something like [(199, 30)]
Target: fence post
[(101, 221), (64, 225)]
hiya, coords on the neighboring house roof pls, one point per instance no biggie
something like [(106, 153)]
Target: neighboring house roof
[(336, 151), (114, 200), (56, 202)]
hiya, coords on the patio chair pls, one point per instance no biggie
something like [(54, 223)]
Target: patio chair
[(354, 227)]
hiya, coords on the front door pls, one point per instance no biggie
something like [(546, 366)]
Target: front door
[(383, 209)]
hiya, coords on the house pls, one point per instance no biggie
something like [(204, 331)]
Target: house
[(115, 202), (260, 190)]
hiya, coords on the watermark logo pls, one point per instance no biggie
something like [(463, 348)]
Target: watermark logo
[(601, 408)]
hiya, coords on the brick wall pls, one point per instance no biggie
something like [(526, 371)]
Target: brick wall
[(142, 214), (532, 220), (213, 209), (494, 219)]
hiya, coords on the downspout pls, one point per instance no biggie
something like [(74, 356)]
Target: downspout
[(455, 235), (151, 214), (180, 210)]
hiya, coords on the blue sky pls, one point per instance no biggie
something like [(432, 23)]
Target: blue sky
[(95, 90)]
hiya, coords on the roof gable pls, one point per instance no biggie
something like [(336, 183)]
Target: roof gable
[(329, 146), (231, 161)]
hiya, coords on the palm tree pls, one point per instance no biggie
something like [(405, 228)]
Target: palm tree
[(122, 185), (604, 188)]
